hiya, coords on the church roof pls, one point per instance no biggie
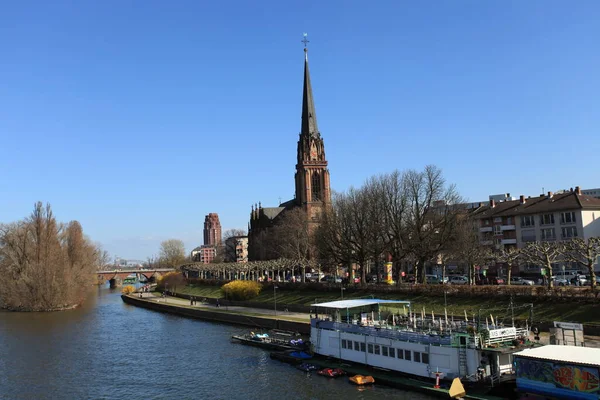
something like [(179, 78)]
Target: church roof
[(309, 116), (272, 212)]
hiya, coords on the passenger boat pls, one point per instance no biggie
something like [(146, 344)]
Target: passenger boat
[(273, 340), (387, 334), (559, 372), (361, 380)]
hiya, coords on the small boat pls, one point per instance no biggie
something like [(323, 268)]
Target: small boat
[(361, 380), (306, 367), (332, 372)]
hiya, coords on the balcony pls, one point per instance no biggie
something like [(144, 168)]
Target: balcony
[(485, 229), (487, 242), (509, 241), (507, 227)]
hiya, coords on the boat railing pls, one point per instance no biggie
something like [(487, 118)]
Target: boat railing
[(406, 336)]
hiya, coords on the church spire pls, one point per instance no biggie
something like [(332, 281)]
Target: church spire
[(309, 116)]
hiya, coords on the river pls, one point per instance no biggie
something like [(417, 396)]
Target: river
[(110, 350)]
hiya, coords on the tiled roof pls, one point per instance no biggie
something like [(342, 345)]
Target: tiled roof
[(537, 205)]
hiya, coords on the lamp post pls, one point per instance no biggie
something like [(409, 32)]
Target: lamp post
[(275, 298), (342, 291)]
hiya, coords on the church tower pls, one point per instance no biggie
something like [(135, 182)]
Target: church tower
[(313, 192)]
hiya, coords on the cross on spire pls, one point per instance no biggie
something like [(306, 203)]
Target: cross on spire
[(305, 40)]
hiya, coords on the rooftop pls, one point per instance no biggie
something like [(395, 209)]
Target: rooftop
[(567, 354), (343, 304)]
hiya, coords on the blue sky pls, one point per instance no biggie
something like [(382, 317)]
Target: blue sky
[(138, 118)]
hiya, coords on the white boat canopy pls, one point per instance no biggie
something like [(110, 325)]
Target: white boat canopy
[(344, 304), (566, 354)]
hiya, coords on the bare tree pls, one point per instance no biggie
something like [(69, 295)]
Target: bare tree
[(584, 252), (46, 265), (467, 248), (102, 257), (510, 257), (543, 254), (432, 214), (172, 252), (292, 238), (394, 197)]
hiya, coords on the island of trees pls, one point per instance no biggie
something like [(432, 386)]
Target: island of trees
[(45, 265)]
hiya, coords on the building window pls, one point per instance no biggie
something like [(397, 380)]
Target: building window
[(407, 355), (569, 232), (497, 230), (528, 235), (527, 220), (567, 218), (315, 186), (370, 348), (377, 349), (400, 354), (486, 221), (498, 219), (425, 358), (547, 219), (417, 356), (548, 234)]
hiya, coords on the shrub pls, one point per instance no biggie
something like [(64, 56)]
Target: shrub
[(241, 290), (128, 289), (170, 281)]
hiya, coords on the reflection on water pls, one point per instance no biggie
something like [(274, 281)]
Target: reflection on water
[(109, 350)]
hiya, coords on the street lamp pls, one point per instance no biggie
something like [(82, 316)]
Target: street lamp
[(342, 290), (275, 298)]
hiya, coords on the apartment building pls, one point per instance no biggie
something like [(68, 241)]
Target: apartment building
[(236, 249), (591, 192), (204, 254), (549, 217)]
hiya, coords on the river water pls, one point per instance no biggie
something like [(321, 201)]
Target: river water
[(110, 350)]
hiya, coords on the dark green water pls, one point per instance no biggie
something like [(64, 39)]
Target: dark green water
[(109, 350)]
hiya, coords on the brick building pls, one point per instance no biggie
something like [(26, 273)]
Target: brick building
[(212, 230)]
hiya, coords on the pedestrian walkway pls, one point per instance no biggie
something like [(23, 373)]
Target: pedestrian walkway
[(263, 312)]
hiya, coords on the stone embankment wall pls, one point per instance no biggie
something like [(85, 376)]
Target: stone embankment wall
[(216, 316)]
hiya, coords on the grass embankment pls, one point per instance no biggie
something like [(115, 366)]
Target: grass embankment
[(546, 310)]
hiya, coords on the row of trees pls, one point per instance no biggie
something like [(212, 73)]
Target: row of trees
[(411, 218), (44, 264)]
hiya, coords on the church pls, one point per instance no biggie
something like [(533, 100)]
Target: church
[(313, 191)]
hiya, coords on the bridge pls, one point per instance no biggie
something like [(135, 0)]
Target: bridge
[(116, 276)]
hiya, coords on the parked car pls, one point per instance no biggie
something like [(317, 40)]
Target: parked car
[(579, 280), (458, 280), (517, 280), (495, 280), (559, 281), (433, 279)]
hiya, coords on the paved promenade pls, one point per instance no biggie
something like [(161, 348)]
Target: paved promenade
[(262, 312)]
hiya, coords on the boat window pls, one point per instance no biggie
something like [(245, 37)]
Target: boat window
[(400, 354), (384, 351), (417, 356), (392, 352), (463, 340), (362, 347), (370, 347), (407, 355), (377, 349), (425, 358), (343, 343), (356, 346)]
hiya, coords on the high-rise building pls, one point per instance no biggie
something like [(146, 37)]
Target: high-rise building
[(212, 230)]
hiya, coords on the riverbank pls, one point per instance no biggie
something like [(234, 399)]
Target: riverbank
[(244, 316), (545, 310)]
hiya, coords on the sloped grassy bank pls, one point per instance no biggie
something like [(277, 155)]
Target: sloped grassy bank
[(561, 304)]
